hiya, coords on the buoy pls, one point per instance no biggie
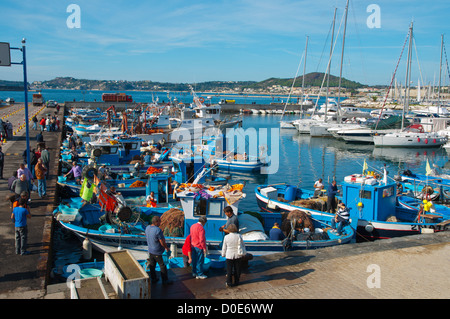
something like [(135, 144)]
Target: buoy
[(426, 141), (87, 249), (418, 139), (434, 141), (369, 228)]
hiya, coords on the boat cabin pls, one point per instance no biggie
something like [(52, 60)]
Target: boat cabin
[(373, 202), (115, 152), (209, 204)]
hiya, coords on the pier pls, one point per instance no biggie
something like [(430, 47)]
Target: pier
[(414, 267)]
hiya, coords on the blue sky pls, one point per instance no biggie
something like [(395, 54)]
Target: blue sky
[(223, 40)]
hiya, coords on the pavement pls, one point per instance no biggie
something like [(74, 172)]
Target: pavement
[(26, 277), (412, 267)]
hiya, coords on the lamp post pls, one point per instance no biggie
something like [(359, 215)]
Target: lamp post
[(25, 87)]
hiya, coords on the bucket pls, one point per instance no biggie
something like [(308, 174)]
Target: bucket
[(290, 193), (90, 273)]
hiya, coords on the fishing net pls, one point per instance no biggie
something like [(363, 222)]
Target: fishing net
[(296, 215), (138, 184), (172, 223)]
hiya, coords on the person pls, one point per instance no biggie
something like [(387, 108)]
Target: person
[(340, 219), (331, 201), (318, 187), (45, 155), (233, 250), (198, 242), (147, 159), (151, 201), (39, 137), (11, 180), (35, 120), (232, 219), (187, 251), (24, 195), (9, 128), (40, 171), (19, 215), (156, 246), (20, 185), (42, 124), (75, 171), (27, 173), (275, 233), (399, 189), (48, 123), (2, 162)]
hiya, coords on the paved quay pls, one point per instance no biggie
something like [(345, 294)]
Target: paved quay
[(25, 277)]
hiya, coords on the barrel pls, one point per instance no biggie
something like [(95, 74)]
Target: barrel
[(290, 193)]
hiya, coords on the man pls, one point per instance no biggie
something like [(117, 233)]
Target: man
[(45, 155), (331, 201), (76, 172), (318, 186), (156, 246), (19, 216), (276, 233), (40, 171), (2, 162), (28, 175), (232, 219), (198, 242), (341, 218), (20, 185)]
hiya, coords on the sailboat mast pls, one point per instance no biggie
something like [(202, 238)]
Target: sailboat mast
[(408, 76), (342, 60), (303, 79), (440, 71), (329, 65)]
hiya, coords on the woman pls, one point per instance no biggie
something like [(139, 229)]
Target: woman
[(233, 250)]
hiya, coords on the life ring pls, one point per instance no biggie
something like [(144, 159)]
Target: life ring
[(201, 99), (89, 172), (97, 152)]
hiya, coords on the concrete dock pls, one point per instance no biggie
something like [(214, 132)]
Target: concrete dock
[(414, 267)]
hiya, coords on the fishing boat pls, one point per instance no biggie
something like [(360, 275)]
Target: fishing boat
[(372, 203), (196, 200)]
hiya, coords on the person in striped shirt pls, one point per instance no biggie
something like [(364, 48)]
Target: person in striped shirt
[(340, 219)]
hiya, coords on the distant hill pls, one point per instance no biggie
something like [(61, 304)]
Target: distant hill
[(311, 79), (11, 85)]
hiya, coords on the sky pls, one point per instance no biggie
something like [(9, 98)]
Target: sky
[(193, 41)]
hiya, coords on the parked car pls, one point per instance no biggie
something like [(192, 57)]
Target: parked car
[(52, 103)]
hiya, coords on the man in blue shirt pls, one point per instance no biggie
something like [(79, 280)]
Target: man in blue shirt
[(276, 233), (156, 246), (20, 215), (331, 201)]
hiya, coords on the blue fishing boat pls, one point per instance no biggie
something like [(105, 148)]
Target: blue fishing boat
[(372, 202), (196, 200)]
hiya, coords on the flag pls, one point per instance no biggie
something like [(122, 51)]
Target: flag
[(365, 167), (428, 168)]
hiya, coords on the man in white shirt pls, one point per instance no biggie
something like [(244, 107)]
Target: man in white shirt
[(318, 186)]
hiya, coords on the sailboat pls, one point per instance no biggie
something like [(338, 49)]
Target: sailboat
[(414, 135)]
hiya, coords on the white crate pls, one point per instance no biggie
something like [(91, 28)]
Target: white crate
[(270, 192)]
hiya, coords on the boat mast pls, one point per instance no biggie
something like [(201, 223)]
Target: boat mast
[(303, 79), (329, 66), (440, 71), (342, 61), (408, 76)]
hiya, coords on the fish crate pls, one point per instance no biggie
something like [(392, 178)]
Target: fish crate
[(128, 279)]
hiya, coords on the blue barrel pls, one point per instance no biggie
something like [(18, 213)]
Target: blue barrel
[(290, 193)]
